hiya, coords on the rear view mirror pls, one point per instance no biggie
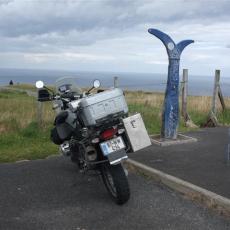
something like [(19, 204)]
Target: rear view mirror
[(96, 84), (39, 84)]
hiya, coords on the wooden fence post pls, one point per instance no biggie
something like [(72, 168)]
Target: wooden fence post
[(221, 99), (212, 119), (220, 95), (184, 88), (115, 82), (184, 94), (215, 91), (39, 113)]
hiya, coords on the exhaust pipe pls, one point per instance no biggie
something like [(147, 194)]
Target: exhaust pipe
[(91, 153)]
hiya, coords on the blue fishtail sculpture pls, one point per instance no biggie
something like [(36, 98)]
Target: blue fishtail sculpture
[(170, 116)]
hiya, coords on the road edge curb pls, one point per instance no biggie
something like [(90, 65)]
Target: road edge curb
[(209, 199)]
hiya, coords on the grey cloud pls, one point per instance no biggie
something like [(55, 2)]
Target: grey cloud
[(51, 42), (53, 26), (5, 2), (39, 17)]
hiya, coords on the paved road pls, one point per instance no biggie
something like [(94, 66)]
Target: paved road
[(202, 163), (51, 194)]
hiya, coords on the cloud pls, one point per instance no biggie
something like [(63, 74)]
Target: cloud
[(5, 2), (111, 31), (63, 17), (82, 57), (56, 25)]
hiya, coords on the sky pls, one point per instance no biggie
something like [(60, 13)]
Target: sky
[(112, 35)]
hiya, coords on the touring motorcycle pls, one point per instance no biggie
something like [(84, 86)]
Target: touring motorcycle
[(89, 128)]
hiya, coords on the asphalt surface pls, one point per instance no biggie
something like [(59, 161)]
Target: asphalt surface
[(203, 163), (51, 194)]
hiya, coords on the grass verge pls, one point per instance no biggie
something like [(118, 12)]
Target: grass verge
[(20, 137), (27, 143)]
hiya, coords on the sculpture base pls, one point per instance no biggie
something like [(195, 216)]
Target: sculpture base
[(181, 139)]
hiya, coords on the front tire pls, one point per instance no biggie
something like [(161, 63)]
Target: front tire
[(116, 182)]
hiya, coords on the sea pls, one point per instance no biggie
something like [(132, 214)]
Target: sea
[(151, 82)]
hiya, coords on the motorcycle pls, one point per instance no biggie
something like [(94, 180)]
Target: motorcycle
[(89, 128)]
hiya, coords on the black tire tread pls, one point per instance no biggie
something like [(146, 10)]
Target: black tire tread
[(120, 181)]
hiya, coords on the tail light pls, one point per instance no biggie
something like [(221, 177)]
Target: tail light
[(109, 133)]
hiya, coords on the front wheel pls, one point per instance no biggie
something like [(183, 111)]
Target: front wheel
[(116, 182)]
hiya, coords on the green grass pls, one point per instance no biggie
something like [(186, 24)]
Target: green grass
[(27, 143), (152, 118), (224, 117), (20, 137), (198, 117), (6, 94), (24, 87), (150, 115)]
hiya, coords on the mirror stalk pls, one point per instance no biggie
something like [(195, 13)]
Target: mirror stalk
[(49, 90)]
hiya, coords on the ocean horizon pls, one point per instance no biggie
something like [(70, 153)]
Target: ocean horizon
[(153, 82)]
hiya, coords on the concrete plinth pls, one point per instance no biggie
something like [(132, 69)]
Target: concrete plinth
[(181, 139)]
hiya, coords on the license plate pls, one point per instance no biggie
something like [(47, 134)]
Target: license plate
[(112, 145)]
